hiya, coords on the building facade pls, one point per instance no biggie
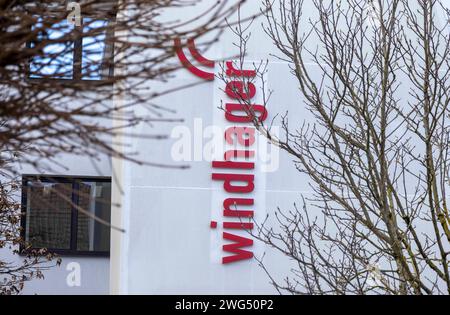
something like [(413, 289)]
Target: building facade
[(184, 225)]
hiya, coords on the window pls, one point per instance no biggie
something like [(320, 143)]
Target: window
[(69, 57), (67, 215)]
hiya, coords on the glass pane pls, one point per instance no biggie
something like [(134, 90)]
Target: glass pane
[(49, 213), (95, 199), (56, 61), (93, 48)]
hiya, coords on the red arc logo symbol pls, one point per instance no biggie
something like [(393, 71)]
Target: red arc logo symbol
[(209, 76)]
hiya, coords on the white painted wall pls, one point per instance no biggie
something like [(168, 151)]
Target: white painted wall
[(169, 247), (93, 276)]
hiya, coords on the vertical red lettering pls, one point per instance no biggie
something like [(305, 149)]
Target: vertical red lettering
[(230, 208), (245, 136), (249, 111), (236, 248), (229, 179), (240, 90), (233, 72)]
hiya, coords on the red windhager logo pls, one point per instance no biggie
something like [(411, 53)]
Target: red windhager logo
[(209, 76), (236, 169)]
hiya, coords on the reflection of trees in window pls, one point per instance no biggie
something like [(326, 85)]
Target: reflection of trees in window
[(95, 198), (49, 215), (67, 215)]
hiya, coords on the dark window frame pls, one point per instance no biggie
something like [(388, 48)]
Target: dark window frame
[(77, 68), (74, 180)]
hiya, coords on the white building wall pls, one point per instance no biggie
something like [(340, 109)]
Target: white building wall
[(169, 247)]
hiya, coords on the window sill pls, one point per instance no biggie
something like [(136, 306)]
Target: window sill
[(70, 253), (90, 82)]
